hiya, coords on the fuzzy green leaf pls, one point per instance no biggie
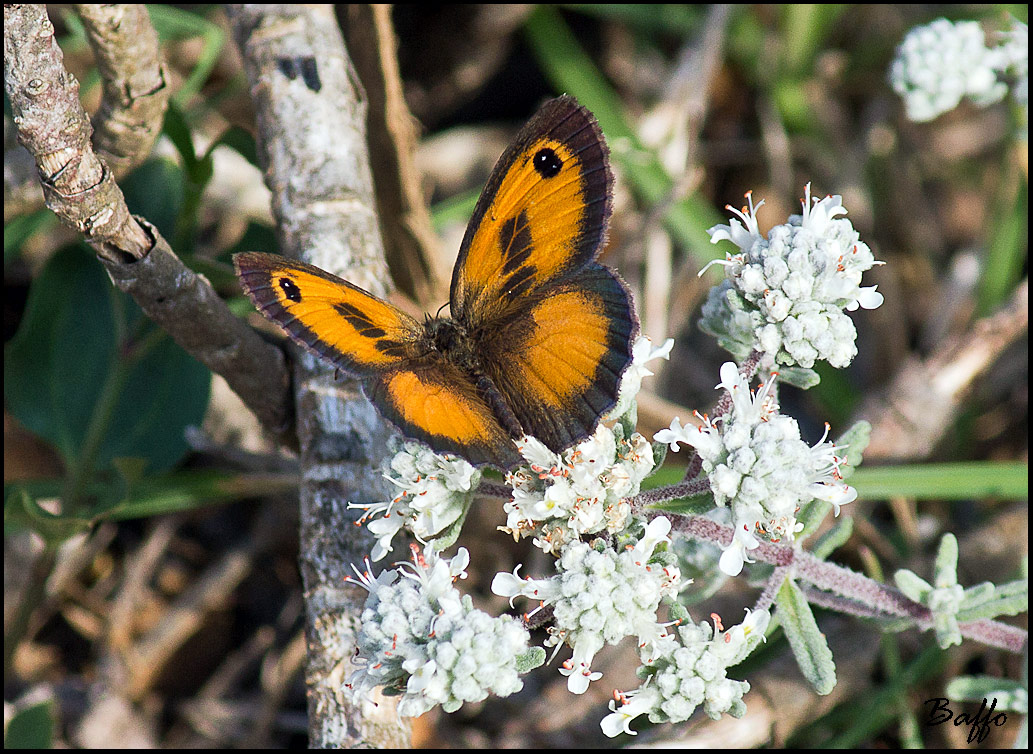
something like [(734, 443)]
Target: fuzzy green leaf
[(914, 587), (834, 538), (529, 660), (805, 638)]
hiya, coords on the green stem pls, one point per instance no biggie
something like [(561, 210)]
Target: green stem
[(103, 411), (82, 470)]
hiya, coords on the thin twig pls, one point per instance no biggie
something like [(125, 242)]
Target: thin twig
[(78, 187), (413, 249), (136, 94)]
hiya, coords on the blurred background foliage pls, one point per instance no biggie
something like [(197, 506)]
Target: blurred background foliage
[(106, 420)]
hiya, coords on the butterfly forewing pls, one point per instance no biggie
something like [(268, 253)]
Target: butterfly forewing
[(352, 329), (542, 215)]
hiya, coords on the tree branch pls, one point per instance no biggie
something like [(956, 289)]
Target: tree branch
[(132, 109), (53, 126), (136, 94), (311, 116), (80, 189), (412, 247)]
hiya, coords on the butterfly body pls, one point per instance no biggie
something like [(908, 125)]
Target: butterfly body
[(538, 335)]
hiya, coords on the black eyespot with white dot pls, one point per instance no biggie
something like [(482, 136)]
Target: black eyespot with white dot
[(290, 290), (547, 163)]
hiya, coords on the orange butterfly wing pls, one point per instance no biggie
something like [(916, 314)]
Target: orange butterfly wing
[(558, 362), (542, 215), (553, 328), (414, 386), (350, 328), (437, 403)]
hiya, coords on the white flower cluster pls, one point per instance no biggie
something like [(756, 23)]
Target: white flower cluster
[(939, 63), (686, 672), (599, 596), (561, 496), (784, 295), (423, 640), (759, 467), (435, 491)]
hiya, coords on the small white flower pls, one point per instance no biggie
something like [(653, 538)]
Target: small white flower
[(867, 298), (744, 234), (632, 704), (538, 456), (734, 557), (642, 352), (675, 434), (508, 584), (577, 669), (384, 529)]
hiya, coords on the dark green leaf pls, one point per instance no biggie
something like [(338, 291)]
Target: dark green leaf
[(178, 131), (31, 728), (241, 141), (18, 230), (87, 372), (155, 191)]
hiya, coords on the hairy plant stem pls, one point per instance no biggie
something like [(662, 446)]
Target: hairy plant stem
[(844, 590)]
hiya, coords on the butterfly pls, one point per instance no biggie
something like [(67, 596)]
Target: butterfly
[(539, 333)]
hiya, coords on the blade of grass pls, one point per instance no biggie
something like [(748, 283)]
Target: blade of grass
[(175, 23), (169, 493), (1008, 246), (950, 481)]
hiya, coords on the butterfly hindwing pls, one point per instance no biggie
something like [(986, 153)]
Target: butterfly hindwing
[(352, 329), (439, 404), (542, 215), (563, 356)]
